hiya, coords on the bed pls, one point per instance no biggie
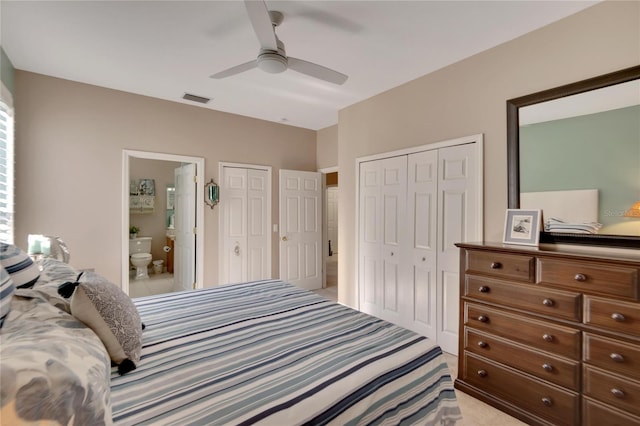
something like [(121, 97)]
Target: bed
[(263, 352)]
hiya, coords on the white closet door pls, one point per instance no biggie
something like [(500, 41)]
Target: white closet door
[(421, 224), (457, 200), (234, 202), (382, 229), (257, 226), (369, 253)]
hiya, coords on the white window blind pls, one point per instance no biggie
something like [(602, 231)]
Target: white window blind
[(6, 171)]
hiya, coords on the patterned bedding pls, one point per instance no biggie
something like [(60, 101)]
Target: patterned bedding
[(272, 354)]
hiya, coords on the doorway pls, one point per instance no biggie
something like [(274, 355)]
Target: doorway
[(330, 232), (194, 208)]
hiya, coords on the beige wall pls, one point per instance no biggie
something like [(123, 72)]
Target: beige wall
[(469, 97), (327, 147), (69, 142)]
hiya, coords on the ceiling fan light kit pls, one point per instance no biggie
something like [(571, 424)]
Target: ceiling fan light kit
[(272, 57), (272, 62)]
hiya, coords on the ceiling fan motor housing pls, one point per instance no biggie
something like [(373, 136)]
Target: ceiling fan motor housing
[(272, 62)]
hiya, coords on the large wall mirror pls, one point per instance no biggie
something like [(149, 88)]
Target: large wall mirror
[(574, 152)]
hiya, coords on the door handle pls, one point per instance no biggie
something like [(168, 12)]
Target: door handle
[(236, 250), (284, 238)]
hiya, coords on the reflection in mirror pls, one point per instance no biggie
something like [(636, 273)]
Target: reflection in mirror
[(574, 153), (212, 193)]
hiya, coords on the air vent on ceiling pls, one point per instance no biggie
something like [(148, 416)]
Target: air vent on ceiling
[(195, 98)]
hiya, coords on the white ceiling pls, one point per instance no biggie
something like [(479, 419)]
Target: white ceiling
[(164, 49)]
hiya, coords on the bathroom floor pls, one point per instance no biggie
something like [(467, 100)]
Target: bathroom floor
[(155, 284)]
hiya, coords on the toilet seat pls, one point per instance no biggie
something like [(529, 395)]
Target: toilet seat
[(141, 256)]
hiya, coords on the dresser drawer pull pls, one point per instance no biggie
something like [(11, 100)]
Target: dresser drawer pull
[(547, 337), (547, 401), (617, 393), (547, 367), (496, 265), (617, 317), (548, 302), (483, 318), (483, 344), (483, 289), (580, 278), (617, 357), (482, 373)]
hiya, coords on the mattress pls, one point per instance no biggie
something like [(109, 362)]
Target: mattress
[(270, 353)]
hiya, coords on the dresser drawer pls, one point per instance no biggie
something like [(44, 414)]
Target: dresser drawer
[(561, 371), (589, 277), (615, 315), (550, 402), (544, 335), (619, 391), (614, 355), (596, 414), (517, 267), (557, 303)]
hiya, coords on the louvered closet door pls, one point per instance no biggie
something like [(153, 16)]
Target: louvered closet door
[(382, 206), (421, 248)]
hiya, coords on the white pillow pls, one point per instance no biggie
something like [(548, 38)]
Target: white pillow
[(6, 293), (19, 265)]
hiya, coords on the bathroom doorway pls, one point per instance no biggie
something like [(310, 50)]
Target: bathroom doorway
[(150, 206)]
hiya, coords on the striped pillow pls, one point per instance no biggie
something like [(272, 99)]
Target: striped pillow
[(6, 291), (19, 265)]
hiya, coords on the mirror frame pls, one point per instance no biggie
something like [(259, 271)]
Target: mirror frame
[(513, 152)]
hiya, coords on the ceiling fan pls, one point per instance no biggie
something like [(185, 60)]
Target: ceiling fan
[(272, 57)]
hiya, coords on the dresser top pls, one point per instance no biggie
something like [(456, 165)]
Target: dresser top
[(577, 252)]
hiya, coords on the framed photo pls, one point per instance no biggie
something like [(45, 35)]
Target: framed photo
[(522, 227), (147, 187)]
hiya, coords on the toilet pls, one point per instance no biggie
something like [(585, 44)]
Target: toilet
[(140, 254)]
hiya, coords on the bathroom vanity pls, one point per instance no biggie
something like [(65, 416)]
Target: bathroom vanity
[(551, 337)]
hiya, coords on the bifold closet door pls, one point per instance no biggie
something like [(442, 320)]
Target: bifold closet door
[(383, 185), (412, 210), (246, 233), (421, 246), (458, 203)]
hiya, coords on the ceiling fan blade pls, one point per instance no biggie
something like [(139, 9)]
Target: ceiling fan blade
[(317, 71), (236, 70), (261, 21)]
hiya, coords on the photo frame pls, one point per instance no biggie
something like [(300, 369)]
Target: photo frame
[(147, 187), (522, 227)]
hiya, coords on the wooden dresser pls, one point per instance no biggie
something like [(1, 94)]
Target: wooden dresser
[(551, 337)]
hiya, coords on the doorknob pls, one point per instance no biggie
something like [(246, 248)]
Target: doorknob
[(284, 238), (236, 250)]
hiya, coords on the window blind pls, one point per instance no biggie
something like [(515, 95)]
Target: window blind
[(6, 173)]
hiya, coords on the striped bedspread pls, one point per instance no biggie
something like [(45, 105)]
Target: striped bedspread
[(270, 353)]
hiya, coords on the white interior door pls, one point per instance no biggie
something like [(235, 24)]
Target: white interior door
[(233, 201), (184, 223), (382, 229), (258, 236), (245, 220), (422, 222), (457, 197), (301, 228)]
